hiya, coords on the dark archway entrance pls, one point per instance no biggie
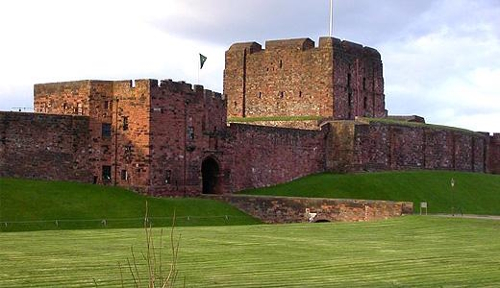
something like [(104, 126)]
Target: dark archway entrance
[(210, 175)]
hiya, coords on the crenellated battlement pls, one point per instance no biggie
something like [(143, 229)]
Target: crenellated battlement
[(306, 44)]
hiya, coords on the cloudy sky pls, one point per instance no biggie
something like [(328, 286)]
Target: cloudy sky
[(441, 57)]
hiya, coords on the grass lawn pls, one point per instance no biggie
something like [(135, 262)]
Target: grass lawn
[(411, 251), (473, 193), (36, 205)]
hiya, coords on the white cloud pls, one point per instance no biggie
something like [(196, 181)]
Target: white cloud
[(448, 73)]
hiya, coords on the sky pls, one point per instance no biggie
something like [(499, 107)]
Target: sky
[(441, 57)]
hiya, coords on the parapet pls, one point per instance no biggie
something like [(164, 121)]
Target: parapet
[(252, 47), (301, 44), (56, 87), (188, 88), (304, 44), (329, 42)]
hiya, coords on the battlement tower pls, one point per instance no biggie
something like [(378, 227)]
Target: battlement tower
[(293, 77)]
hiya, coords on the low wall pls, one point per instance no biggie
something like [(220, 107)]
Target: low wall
[(272, 209)]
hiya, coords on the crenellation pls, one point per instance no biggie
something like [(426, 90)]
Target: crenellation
[(302, 44)]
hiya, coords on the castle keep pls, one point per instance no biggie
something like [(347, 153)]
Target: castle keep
[(172, 138), (337, 79)]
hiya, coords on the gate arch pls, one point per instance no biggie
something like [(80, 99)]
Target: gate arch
[(210, 175)]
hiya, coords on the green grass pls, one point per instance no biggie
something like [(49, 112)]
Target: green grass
[(474, 193), (404, 252), (34, 205), (416, 124), (273, 118)]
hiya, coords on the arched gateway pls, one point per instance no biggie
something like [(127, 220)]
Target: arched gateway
[(210, 175)]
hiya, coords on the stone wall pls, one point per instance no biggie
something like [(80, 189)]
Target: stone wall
[(53, 147), (271, 209), (301, 124), (375, 146), (187, 125), (337, 79), (259, 156), (494, 154)]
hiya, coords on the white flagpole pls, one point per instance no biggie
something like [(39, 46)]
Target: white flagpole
[(331, 18)]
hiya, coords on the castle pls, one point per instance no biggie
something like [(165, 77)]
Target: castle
[(172, 138)]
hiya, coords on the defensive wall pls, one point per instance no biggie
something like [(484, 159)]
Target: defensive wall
[(52, 147), (338, 79), (371, 145), (272, 209), (494, 154), (260, 156)]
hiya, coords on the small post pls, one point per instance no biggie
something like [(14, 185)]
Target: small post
[(452, 183), (423, 205)]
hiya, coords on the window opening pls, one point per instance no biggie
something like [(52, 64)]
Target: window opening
[(125, 123), (106, 130), (106, 173), (168, 176)]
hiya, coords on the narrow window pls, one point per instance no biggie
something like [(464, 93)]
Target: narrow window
[(125, 123), (300, 94), (79, 108), (106, 130), (281, 64), (348, 79), (282, 94), (106, 173), (106, 105), (364, 83), (190, 133), (124, 175), (168, 176), (260, 95), (65, 106)]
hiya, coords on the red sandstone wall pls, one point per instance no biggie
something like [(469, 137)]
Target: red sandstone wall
[(293, 210), (494, 154), (53, 147), (130, 147), (380, 146), (358, 81), (293, 77), (264, 156), (186, 127)]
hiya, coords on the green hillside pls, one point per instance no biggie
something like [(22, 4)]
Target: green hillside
[(36, 205), (473, 193)]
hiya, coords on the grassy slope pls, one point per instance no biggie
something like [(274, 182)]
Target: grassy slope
[(29, 200), (405, 252), (473, 193)]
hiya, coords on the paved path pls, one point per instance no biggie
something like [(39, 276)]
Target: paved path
[(471, 216)]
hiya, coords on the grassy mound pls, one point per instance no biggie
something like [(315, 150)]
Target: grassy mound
[(473, 193), (36, 205)]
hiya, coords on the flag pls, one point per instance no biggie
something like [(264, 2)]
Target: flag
[(202, 60)]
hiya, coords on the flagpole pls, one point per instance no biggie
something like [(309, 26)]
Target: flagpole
[(331, 18)]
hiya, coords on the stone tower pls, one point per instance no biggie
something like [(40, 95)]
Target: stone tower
[(338, 79)]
